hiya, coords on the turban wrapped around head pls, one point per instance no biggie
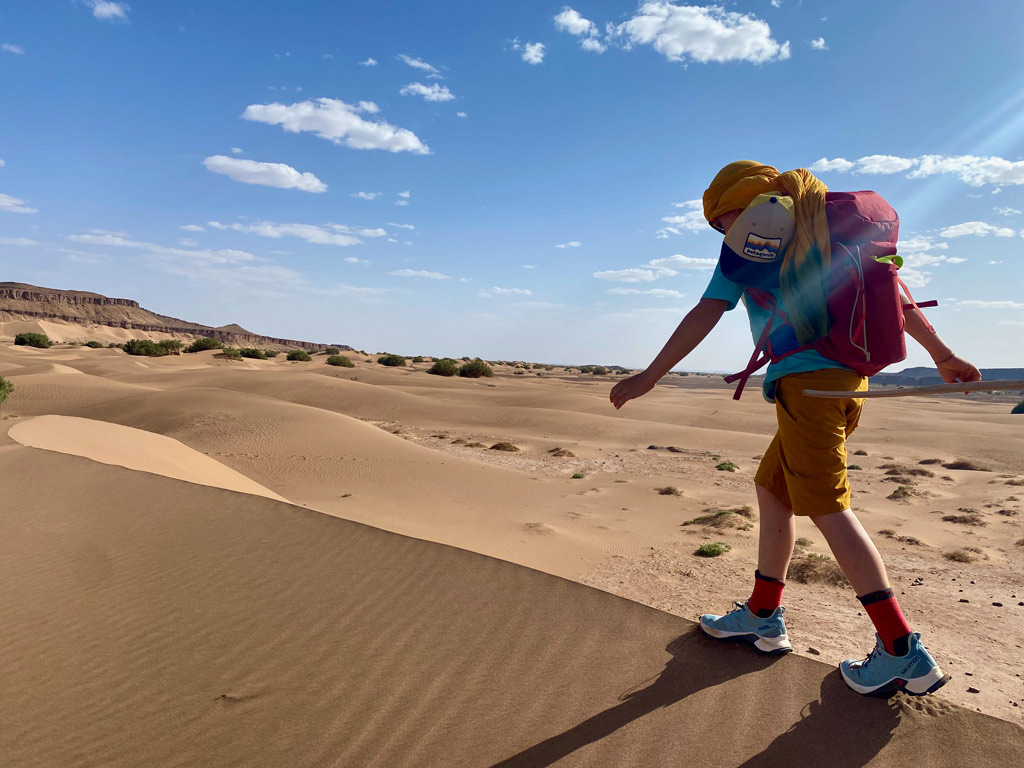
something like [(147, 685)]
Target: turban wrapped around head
[(803, 278)]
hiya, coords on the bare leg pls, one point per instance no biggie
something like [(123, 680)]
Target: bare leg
[(854, 551), (777, 535)]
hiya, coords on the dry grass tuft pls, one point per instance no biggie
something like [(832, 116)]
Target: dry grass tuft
[(562, 453), (668, 490), (965, 555), (816, 569), (930, 461), (903, 493), (965, 464), (968, 517), (507, 447), (737, 517), (860, 453), (475, 445)]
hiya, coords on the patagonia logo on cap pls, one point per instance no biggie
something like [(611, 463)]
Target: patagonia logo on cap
[(762, 249)]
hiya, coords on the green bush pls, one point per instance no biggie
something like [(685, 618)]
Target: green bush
[(299, 355), (270, 353), (5, 389), (331, 351), (713, 549), (144, 347), (475, 369), (94, 344), (253, 353), (1019, 407), (341, 360), (599, 370), (200, 345), (578, 476), (173, 346), (38, 340), (231, 353), (115, 345), (726, 466), (444, 367), (586, 369), (392, 361), (418, 359)]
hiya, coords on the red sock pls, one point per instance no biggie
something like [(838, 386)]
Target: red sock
[(888, 619), (767, 595)]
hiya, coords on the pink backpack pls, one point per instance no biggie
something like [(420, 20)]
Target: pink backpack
[(864, 307)]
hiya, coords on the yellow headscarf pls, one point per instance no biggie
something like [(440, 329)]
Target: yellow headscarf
[(805, 267)]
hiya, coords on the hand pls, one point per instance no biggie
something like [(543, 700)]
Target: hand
[(956, 369), (628, 389)]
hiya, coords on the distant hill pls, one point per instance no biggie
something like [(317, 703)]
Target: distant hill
[(22, 302), (928, 375)]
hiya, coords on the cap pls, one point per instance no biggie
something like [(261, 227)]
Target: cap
[(756, 243)]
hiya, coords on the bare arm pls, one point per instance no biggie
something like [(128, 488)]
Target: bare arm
[(693, 329), (951, 367)]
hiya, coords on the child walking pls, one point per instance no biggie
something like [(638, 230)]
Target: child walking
[(803, 472)]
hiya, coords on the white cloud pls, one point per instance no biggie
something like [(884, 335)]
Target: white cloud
[(461, 114), (187, 241), (356, 260), (419, 273), (14, 205), (992, 263), (633, 275), (824, 164), (682, 262), (533, 53), (993, 304), (955, 260), (703, 34), (366, 195), (336, 121), (913, 278), (401, 226), (570, 244), (972, 170), (571, 21), (236, 150), (920, 243), (328, 234), (2, 162), (12, 48), (109, 11), (977, 228), (434, 92), (778, 4), (818, 44), (370, 62), (430, 69), (267, 174), (529, 266), (221, 256), (648, 313), (401, 202), (593, 44), (192, 228), (1006, 211), (661, 293), (17, 241), (692, 221), (405, 194), (505, 292)]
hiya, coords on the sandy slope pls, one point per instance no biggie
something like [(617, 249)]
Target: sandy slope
[(205, 627), (380, 446)]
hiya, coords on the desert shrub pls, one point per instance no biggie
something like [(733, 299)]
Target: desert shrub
[(508, 447), (94, 344), (578, 476), (115, 345), (144, 347), (332, 351), (271, 353), (39, 340), (855, 466), (970, 518), (562, 453), (599, 370), (173, 346), (200, 345), (253, 353), (341, 360), (392, 361), (586, 369), (519, 373), (902, 493), (713, 549), (1019, 407), (860, 452), (475, 369), (723, 518), (669, 490), (813, 568), (418, 359), (803, 541), (231, 353), (965, 464), (726, 466), (466, 359), (5, 389), (299, 355), (965, 555), (444, 367)]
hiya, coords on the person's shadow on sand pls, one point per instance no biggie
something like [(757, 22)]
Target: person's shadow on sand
[(841, 730)]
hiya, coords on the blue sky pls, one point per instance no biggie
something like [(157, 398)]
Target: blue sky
[(508, 180)]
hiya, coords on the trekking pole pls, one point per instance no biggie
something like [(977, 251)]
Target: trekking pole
[(924, 389)]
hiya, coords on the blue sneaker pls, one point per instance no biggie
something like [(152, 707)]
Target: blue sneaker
[(767, 635), (882, 675)]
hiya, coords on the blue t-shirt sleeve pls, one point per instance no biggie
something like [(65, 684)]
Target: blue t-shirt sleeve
[(723, 288)]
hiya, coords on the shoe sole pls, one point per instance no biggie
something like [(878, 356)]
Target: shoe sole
[(771, 646), (929, 683)]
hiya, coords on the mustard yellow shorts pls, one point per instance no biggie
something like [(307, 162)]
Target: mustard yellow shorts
[(805, 465)]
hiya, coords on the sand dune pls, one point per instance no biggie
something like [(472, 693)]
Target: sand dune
[(407, 452), (132, 449), (205, 627)]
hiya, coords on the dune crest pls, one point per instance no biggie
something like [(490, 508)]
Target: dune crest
[(132, 448)]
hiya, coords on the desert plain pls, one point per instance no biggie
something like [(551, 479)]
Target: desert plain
[(201, 566)]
